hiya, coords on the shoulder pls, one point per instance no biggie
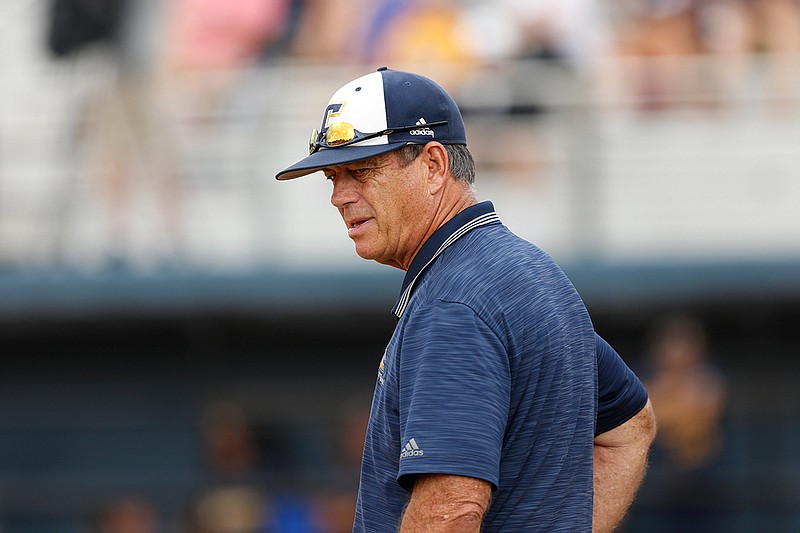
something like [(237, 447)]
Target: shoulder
[(492, 264)]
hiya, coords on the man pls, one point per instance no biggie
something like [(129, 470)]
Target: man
[(485, 415)]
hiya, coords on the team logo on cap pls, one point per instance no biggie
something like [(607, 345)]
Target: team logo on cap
[(333, 110)]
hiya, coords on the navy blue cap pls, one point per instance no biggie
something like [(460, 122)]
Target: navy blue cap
[(386, 100)]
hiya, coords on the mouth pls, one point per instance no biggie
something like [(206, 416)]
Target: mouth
[(355, 224)]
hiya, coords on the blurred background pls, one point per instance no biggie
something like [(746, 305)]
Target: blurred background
[(190, 346)]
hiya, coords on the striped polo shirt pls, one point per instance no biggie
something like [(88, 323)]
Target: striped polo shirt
[(490, 373)]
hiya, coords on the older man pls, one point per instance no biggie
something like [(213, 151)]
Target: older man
[(496, 407)]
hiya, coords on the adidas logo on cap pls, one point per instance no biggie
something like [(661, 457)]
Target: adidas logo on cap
[(423, 130)]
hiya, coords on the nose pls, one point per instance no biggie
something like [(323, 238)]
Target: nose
[(343, 191)]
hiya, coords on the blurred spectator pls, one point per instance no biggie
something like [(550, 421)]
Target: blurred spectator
[(724, 32), (559, 44), (408, 33), (690, 393), (231, 449), (231, 510), (173, 64), (777, 32), (296, 493), (234, 498), (696, 52), (661, 33), (685, 487), (723, 26), (336, 502), (572, 32), (332, 31), (222, 34), (74, 24), (208, 42), (403, 34), (128, 515), (124, 136)]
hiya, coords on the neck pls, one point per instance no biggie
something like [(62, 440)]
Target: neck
[(453, 199), (461, 199)]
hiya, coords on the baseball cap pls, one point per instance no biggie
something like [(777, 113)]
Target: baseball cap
[(378, 113)]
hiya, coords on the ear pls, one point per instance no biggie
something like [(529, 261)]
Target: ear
[(438, 164)]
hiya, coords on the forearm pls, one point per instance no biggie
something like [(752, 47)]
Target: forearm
[(438, 506), (620, 461), (617, 477), (417, 519)]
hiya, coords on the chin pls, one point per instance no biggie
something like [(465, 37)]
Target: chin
[(369, 254), (365, 253)]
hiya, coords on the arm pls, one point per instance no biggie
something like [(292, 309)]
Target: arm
[(620, 459), (446, 503)]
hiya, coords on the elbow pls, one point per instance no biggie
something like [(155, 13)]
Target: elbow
[(467, 516), (447, 503), (649, 423)]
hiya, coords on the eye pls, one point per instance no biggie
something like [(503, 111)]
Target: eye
[(360, 172)]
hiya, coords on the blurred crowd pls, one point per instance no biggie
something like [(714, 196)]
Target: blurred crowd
[(178, 65), (191, 35), (278, 477), (302, 477)]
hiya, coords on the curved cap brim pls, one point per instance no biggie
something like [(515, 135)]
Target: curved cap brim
[(329, 157)]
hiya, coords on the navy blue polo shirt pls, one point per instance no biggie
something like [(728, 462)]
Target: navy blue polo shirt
[(620, 393), (491, 373)]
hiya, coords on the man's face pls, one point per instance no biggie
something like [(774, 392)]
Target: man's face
[(386, 206)]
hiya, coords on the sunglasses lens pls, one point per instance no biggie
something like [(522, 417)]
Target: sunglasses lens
[(313, 142), (339, 132)]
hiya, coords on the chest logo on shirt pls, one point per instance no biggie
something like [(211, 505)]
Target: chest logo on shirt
[(411, 449), (382, 369)]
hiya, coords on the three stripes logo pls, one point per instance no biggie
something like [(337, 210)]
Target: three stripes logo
[(411, 449), (422, 130)]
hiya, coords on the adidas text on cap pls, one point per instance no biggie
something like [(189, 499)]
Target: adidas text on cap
[(378, 113)]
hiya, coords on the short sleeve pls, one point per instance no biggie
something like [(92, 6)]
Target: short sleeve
[(621, 394), (454, 394)]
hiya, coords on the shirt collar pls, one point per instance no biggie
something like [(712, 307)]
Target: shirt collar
[(470, 218)]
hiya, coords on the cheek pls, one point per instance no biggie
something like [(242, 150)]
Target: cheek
[(398, 205), (413, 198), (396, 208)]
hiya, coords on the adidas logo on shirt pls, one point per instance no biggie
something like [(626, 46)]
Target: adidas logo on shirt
[(411, 449)]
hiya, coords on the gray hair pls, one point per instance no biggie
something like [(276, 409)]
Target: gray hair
[(462, 165)]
